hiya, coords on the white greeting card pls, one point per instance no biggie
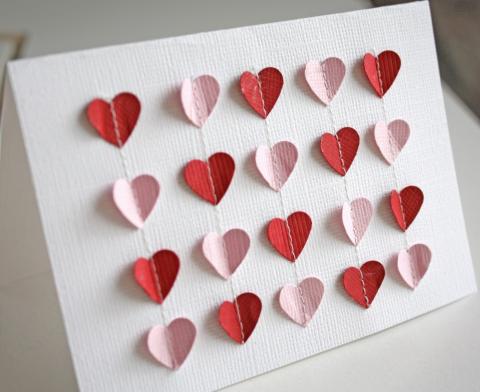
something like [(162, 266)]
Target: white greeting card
[(399, 131)]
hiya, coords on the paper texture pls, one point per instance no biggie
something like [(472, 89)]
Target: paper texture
[(92, 249)]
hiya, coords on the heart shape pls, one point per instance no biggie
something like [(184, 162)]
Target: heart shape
[(381, 71), (356, 217), (288, 237), (226, 253), (363, 284), (413, 263), (199, 97), (239, 318), (137, 198), (406, 205), (262, 91), (171, 345), (391, 138), (114, 121), (325, 78), (301, 302), (339, 150), (276, 164), (157, 275), (210, 180)]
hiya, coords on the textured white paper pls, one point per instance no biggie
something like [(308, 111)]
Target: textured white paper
[(92, 249)]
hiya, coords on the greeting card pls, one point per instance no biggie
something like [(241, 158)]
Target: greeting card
[(219, 205)]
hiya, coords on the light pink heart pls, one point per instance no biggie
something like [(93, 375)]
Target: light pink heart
[(199, 98), (301, 302), (136, 199), (276, 164), (356, 217), (413, 263), (391, 138), (325, 78), (171, 345), (226, 253)]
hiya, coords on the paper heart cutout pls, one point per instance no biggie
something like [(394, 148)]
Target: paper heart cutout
[(391, 138), (210, 181), (355, 217), (289, 237), (226, 253), (276, 164), (239, 318), (157, 275), (199, 96), (114, 121), (262, 91), (363, 284), (325, 78), (137, 198), (171, 345), (301, 302), (340, 150), (406, 205), (413, 263), (381, 71)]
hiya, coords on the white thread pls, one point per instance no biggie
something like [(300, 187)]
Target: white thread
[(217, 212), (142, 231), (282, 203)]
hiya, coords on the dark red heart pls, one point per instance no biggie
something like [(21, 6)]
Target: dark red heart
[(262, 91), (157, 275), (406, 205), (340, 150), (210, 181), (381, 71), (289, 237), (115, 120), (240, 317), (363, 284)]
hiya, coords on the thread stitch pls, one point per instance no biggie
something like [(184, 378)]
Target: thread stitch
[(282, 203), (217, 212)]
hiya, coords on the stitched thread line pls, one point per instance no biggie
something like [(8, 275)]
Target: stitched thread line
[(276, 182), (218, 219), (137, 206)]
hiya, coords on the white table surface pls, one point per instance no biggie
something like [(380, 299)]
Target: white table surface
[(436, 352)]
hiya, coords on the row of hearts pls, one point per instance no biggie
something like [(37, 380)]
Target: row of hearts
[(116, 120), (170, 345)]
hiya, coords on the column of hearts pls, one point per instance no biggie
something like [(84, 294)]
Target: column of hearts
[(135, 198), (275, 163), (210, 180), (339, 150), (391, 138)]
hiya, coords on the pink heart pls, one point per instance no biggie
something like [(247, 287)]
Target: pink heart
[(413, 263), (325, 78), (226, 253), (276, 164), (356, 217), (199, 98), (301, 302), (136, 199), (171, 345), (391, 138)]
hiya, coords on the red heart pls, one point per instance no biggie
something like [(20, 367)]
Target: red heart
[(290, 236), (339, 150), (240, 317), (157, 275), (262, 91), (362, 284), (382, 71), (406, 205), (210, 181), (114, 121)]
